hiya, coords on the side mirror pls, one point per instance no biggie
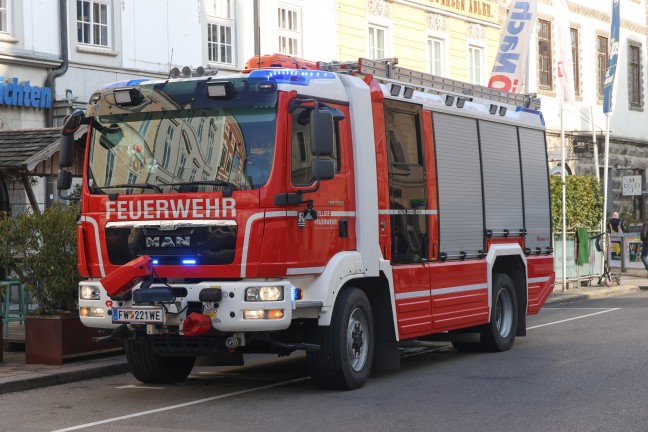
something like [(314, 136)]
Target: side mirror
[(321, 132), (73, 122), (66, 151), (64, 180), (323, 169)]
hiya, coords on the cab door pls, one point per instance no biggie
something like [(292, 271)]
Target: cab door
[(409, 216), (324, 223)]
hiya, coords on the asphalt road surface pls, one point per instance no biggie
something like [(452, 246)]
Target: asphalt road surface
[(582, 367)]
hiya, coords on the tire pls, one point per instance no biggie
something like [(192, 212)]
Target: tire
[(151, 368), (499, 334), (346, 346), (608, 281)]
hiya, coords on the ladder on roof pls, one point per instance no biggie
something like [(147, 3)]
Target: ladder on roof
[(386, 71)]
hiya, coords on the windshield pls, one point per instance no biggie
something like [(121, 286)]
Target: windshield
[(185, 150)]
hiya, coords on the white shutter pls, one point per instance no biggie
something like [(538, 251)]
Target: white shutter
[(461, 214), (502, 183), (535, 174)]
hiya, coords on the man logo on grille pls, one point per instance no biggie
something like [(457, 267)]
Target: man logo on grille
[(168, 242)]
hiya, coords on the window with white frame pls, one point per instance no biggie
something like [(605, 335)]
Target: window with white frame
[(377, 38), (475, 64), (436, 56), (288, 24), (93, 26), (4, 16), (220, 31)]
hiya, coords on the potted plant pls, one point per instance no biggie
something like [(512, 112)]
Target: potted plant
[(44, 251)]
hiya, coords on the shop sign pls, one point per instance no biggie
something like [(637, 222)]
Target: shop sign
[(23, 94)]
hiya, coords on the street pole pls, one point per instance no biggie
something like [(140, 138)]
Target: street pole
[(564, 206), (596, 161), (605, 183)]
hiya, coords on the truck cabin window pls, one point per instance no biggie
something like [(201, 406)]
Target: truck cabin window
[(301, 148)]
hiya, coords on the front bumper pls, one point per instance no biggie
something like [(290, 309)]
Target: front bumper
[(227, 315)]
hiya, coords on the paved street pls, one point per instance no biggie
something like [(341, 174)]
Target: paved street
[(581, 368)]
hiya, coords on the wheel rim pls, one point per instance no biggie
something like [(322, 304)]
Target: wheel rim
[(357, 339), (504, 313)]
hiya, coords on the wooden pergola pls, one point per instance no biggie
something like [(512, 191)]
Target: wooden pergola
[(27, 153)]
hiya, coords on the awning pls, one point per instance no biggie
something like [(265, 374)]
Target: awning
[(34, 152)]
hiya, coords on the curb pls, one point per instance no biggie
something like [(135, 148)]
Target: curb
[(45, 379), (560, 298)]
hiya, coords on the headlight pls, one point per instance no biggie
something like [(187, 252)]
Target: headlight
[(91, 312), (89, 292), (264, 293)]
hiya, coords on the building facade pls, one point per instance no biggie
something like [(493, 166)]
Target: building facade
[(584, 120), (451, 38), (54, 68), (55, 54)]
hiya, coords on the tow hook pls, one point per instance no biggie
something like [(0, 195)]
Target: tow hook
[(120, 332), (232, 342)]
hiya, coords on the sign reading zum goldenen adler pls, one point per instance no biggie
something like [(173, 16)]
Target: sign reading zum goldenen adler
[(24, 95)]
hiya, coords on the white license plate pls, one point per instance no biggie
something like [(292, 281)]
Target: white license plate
[(138, 315)]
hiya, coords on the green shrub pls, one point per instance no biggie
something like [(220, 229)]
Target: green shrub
[(42, 250), (583, 202)]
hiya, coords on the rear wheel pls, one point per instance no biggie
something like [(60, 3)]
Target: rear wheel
[(152, 368), (499, 333), (346, 346)]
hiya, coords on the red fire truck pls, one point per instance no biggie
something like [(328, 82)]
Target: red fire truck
[(340, 209)]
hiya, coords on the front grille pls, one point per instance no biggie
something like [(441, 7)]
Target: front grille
[(167, 252), (207, 245)]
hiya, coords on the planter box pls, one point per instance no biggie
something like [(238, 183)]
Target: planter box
[(50, 339)]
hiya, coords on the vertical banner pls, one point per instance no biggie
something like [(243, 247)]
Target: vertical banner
[(510, 63), (608, 87), (564, 61)]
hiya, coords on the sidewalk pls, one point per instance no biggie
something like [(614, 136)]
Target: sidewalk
[(16, 375), (629, 283)]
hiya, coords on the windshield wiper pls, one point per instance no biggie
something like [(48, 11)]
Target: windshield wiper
[(230, 185), (156, 188)]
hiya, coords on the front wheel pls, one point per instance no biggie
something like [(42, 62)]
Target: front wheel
[(151, 368), (499, 333), (346, 346)]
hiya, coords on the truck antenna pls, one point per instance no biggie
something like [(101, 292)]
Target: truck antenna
[(170, 62)]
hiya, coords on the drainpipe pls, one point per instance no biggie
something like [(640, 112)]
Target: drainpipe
[(55, 73)]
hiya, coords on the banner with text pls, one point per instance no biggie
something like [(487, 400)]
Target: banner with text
[(608, 86), (564, 61), (510, 65)]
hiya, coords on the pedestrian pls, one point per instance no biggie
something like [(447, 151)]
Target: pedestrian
[(615, 225), (644, 245)]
